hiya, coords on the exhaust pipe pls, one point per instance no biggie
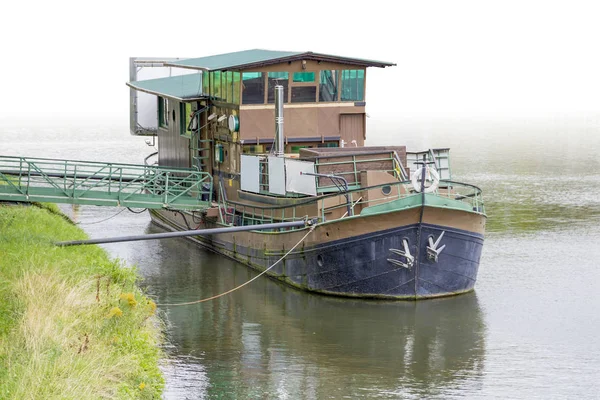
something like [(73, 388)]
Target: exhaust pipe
[(279, 144)]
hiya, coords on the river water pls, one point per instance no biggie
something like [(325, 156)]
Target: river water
[(530, 330)]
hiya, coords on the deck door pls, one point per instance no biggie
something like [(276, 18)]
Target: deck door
[(352, 127)]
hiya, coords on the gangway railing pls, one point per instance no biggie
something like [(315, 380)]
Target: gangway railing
[(440, 160), (103, 184)]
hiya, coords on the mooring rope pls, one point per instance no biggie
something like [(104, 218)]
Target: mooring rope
[(312, 228)]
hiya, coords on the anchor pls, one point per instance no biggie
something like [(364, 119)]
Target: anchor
[(410, 260), (432, 251)]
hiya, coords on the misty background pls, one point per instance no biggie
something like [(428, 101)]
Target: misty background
[(68, 61)]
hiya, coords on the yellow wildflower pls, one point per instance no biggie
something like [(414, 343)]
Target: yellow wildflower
[(152, 306), (130, 297), (142, 386), (115, 311)]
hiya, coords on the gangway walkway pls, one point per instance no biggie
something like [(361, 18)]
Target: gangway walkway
[(103, 184)]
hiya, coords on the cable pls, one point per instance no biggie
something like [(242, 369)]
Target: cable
[(189, 228), (195, 219), (112, 216), (102, 220), (312, 228), (137, 212)]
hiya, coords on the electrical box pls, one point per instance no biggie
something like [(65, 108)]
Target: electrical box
[(219, 154)]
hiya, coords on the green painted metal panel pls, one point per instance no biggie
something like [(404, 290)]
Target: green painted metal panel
[(415, 201), (182, 87), (235, 59), (242, 59)]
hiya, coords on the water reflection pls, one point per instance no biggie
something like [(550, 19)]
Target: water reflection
[(531, 331), (271, 341)]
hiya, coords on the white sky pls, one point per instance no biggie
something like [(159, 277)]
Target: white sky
[(70, 59)]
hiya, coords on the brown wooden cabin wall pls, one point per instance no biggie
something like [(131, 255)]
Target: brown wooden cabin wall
[(173, 149), (305, 120)]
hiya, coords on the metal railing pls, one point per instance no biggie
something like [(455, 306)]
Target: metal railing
[(440, 158), (449, 194), (352, 168), (108, 184)]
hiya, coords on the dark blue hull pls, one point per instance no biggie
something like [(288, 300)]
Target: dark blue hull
[(361, 266), (368, 265)]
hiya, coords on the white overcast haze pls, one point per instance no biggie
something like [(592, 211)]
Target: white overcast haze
[(69, 60)]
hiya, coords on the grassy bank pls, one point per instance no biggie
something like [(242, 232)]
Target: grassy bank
[(73, 324)]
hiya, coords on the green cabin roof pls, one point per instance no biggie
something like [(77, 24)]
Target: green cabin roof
[(181, 87), (257, 58)]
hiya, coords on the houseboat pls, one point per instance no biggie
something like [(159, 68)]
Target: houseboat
[(281, 134)]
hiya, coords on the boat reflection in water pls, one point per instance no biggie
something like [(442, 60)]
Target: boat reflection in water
[(268, 340)]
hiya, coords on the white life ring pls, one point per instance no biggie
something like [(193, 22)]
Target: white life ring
[(430, 175)]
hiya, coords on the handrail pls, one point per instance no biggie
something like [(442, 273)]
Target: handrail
[(435, 164), (335, 178), (404, 175), (354, 163), (92, 182), (451, 190), (311, 199)]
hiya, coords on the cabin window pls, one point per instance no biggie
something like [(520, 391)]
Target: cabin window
[(253, 88), (304, 94), (226, 88), (235, 85), (304, 77), (253, 149), (205, 83), (295, 147), (230, 87), (216, 85), (304, 89), (328, 144), (186, 114), (278, 78), (353, 85), (163, 112), (328, 85)]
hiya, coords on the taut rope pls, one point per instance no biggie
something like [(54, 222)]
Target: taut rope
[(312, 228)]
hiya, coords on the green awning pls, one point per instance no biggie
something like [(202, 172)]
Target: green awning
[(232, 60), (181, 87), (257, 58)]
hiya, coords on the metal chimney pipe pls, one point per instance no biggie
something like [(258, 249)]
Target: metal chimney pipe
[(279, 144)]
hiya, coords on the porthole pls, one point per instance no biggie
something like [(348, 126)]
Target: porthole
[(386, 190)]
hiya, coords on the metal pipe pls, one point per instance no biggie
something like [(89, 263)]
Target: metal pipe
[(198, 232), (333, 179), (70, 176), (279, 145)]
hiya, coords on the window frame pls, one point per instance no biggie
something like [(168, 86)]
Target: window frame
[(337, 88), (163, 112), (293, 85), (183, 119), (354, 89), (263, 75), (286, 87)]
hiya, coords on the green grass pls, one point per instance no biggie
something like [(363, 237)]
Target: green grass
[(73, 323)]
